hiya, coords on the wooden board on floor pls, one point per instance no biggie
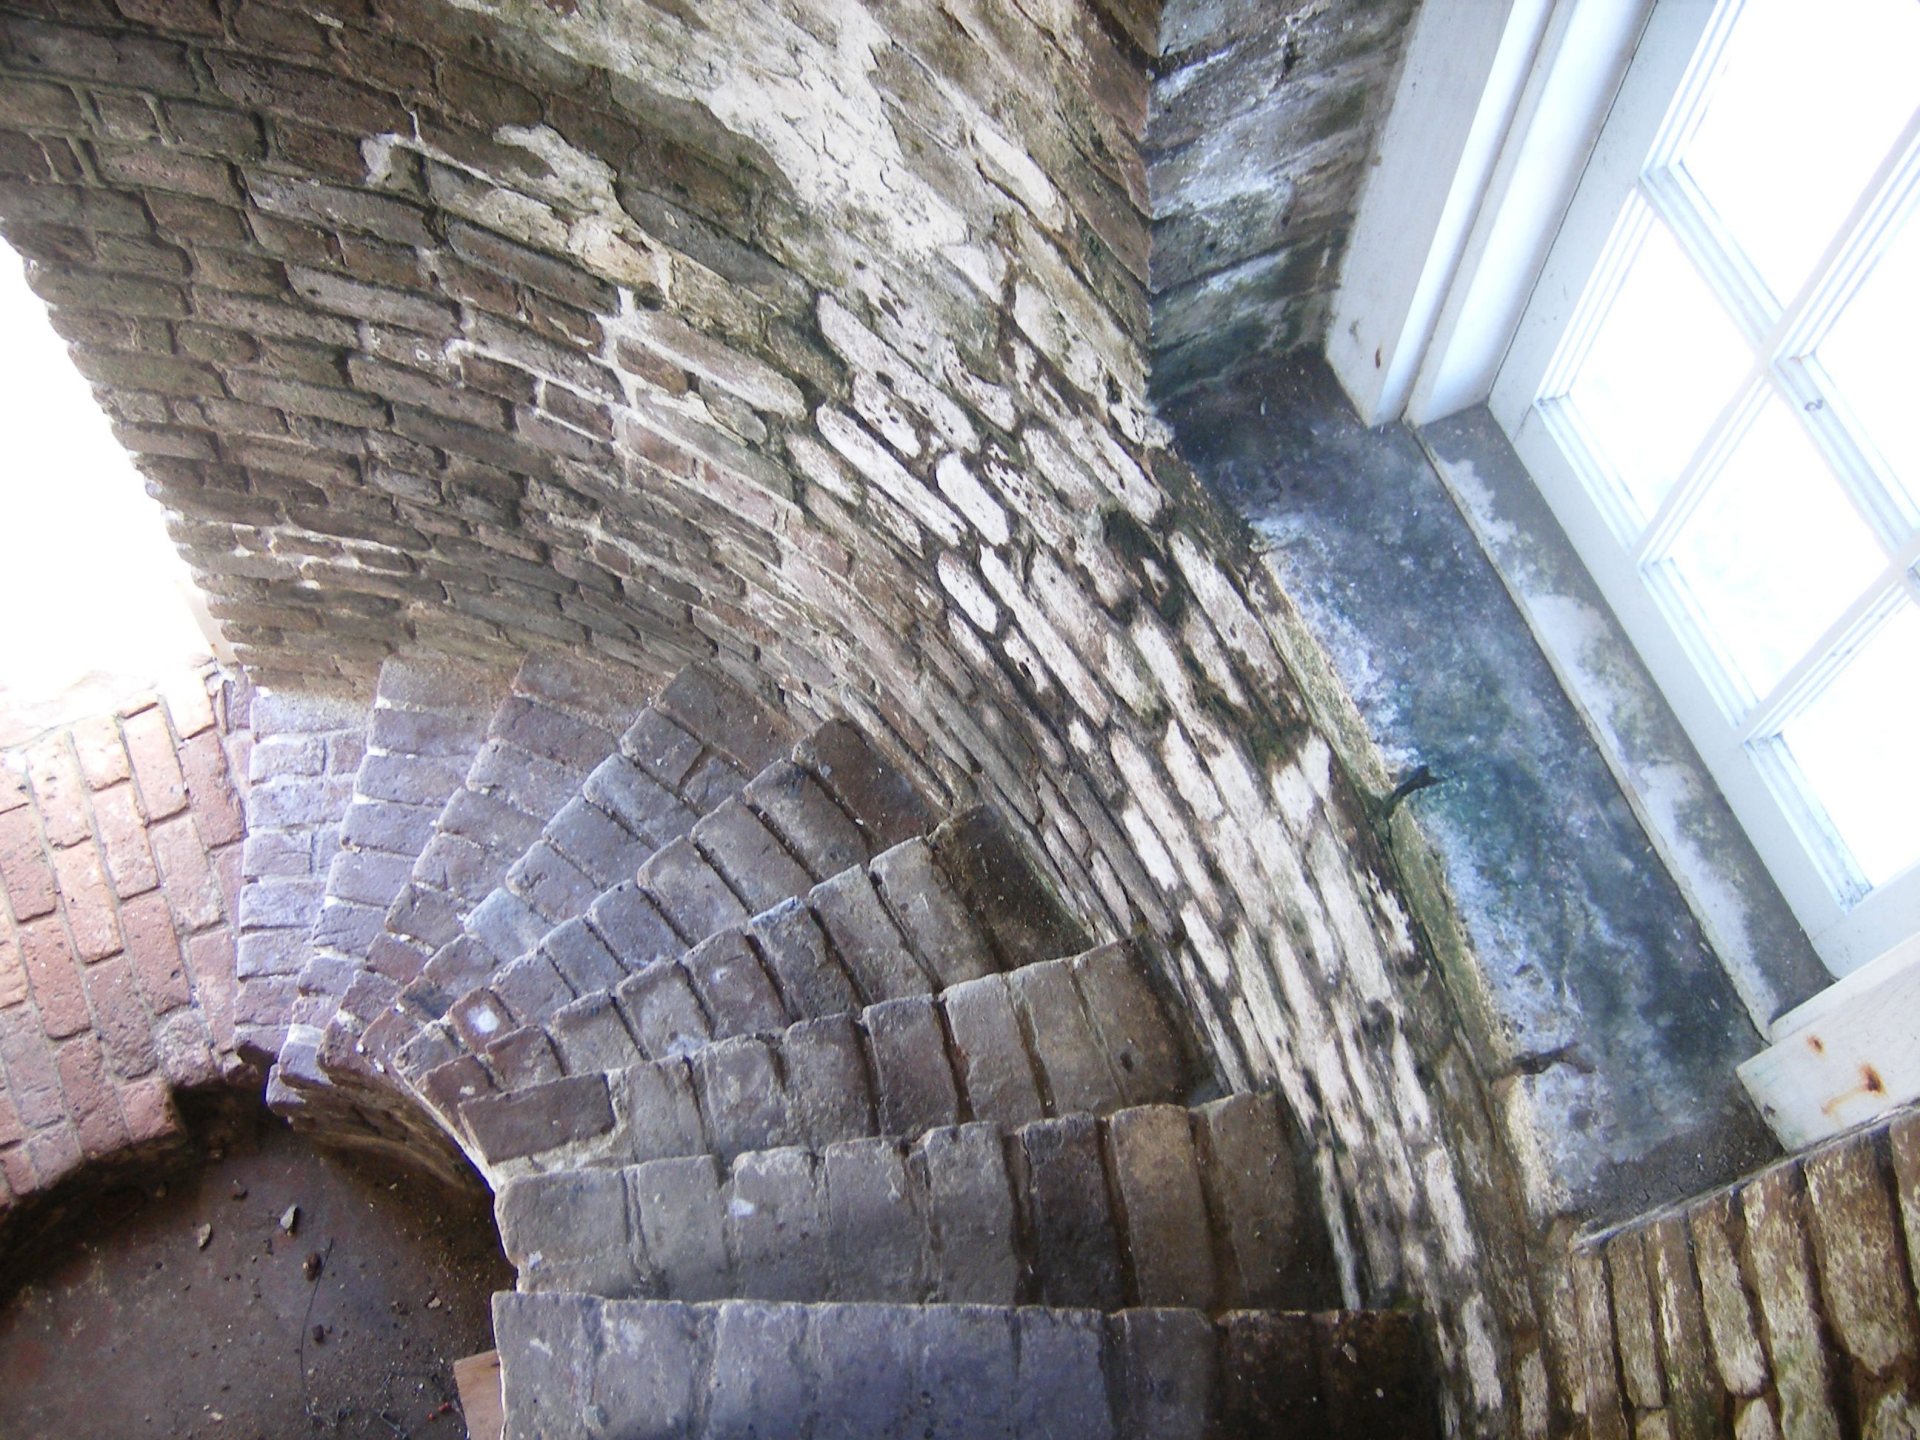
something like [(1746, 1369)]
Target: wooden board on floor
[(478, 1380)]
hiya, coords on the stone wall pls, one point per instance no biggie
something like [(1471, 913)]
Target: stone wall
[(1780, 1305), (119, 864), (1264, 118), (812, 338)]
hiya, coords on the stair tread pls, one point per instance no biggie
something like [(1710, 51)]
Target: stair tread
[(1145, 1206), (886, 1069), (575, 1365)]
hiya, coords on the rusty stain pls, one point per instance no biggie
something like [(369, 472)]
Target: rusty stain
[(1815, 1044), (1870, 1078)]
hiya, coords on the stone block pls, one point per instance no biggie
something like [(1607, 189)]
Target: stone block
[(659, 1109), (816, 830), (867, 943), (970, 1210), (742, 1096), (777, 1226), (679, 1206), (914, 1088), (663, 1012), (995, 1068), (796, 953), (506, 1127), (1076, 1243), (878, 1239), (752, 860), (937, 926), (828, 1098), (1168, 1238), (735, 991), (1069, 1059), (689, 892)]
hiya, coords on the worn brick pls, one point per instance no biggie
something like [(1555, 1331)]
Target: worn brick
[(24, 865), (86, 901), (54, 975), (1856, 1234), (156, 769), (154, 949), (1774, 1207), (1728, 1308), (90, 1097)]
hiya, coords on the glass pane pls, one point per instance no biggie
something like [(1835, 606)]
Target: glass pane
[(1869, 356), (1811, 98), (1664, 362), (1775, 551), (1855, 745)]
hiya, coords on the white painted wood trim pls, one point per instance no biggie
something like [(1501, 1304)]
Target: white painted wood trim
[(1853, 1056), (1460, 81), (1576, 74)]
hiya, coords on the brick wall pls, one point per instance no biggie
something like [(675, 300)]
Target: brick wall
[(119, 863), (812, 339), (1782, 1305)]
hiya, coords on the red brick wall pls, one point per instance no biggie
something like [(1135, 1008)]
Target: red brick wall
[(120, 863)]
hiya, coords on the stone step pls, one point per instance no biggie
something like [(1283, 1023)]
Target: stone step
[(695, 746), (428, 720), (1078, 1035), (1155, 1205), (793, 825), (306, 750), (578, 1366)]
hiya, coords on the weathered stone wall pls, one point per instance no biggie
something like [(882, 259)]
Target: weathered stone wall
[(811, 337), (1264, 118), (1780, 1305)]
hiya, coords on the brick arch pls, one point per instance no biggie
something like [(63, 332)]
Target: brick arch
[(475, 329)]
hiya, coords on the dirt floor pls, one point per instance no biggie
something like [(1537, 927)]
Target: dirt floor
[(147, 1323)]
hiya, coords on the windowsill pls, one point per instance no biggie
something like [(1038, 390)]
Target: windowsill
[(1762, 948), (1591, 996)]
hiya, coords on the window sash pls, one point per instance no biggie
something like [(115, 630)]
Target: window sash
[(1634, 180)]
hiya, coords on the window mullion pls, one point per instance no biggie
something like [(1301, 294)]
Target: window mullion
[(1829, 652)]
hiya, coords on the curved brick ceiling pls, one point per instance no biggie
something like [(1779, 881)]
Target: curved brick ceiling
[(809, 337)]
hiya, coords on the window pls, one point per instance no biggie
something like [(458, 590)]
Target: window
[(1717, 387)]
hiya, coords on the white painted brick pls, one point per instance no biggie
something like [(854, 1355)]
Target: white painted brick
[(868, 457), (968, 593), (971, 499)]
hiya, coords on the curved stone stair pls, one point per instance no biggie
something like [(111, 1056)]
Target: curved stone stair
[(804, 1115), (787, 828), (543, 799)]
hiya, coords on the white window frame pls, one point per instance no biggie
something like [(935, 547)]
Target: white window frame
[(1848, 924)]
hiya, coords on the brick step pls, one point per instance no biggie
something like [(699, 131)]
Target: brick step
[(1154, 1205), (306, 750), (799, 821), (428, 720), (577, 1366), (695, 746), (1077, 1035)]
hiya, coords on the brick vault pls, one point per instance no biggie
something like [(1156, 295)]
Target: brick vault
[(758, 745)]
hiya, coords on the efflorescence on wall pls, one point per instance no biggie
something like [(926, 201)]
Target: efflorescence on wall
[(812, 338)]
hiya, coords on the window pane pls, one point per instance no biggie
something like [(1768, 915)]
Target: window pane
[(1811, 98), (1664, 362), (1855, 747), (1775, 551), (1869, 356)]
